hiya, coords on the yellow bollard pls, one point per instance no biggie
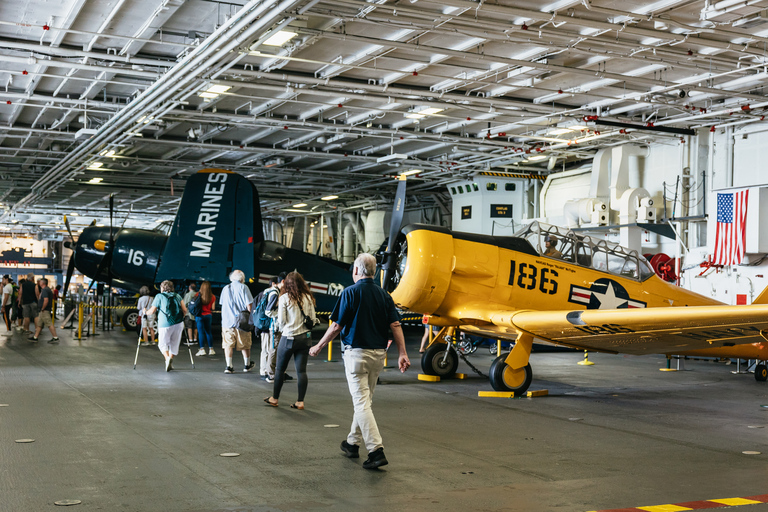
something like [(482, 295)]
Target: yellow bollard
[(80, 321), (586, 361), (330, 344), (498, 348)]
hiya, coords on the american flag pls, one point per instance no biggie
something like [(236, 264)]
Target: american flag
[(731, 235)]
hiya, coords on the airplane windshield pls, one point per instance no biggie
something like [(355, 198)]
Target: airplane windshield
[(586, 251)]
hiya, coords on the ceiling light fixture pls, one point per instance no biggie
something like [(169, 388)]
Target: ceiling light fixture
[(95, 180), (300, 205), (537, 157), (329, 198), (279, 38), (95, 165), (214, 91), (108, 152), (412, 171), (422, 112)]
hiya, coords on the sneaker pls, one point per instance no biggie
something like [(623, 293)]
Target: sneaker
[(270, 379), (263, 377), (145, 344), (33, 339), (211, 353), (350, 450), (53, 340), (168, 365), (200, 352), (249, 366), (375, 459), (229, 370), (287, 377)]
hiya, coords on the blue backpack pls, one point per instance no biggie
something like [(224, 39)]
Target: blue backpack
[(195, 306), (261, 320)]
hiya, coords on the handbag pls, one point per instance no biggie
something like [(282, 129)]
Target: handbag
[(308, 322)]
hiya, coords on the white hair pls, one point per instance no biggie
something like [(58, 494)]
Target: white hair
[(237, 276), (365, 264)]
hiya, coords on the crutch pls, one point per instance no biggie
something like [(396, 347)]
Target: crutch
[(138, 346), (189, 348)]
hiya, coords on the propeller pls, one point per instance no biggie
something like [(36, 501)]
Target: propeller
[(106, 261), (71, 267), (398, 210)]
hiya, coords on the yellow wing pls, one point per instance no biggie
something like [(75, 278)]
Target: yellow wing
[(639, 331)]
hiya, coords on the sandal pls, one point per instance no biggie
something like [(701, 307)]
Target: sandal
[(296, 406), (270, 402)]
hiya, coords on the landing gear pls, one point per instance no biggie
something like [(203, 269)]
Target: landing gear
[(440, 359), (504, 378), (130, 319), (761, 372)]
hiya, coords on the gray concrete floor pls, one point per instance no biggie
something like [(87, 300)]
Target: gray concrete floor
[(617, 434)]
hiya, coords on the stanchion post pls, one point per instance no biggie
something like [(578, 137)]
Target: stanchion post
[(93, 318), (498, 348), (80, 321), (330, 345), (586, 361)]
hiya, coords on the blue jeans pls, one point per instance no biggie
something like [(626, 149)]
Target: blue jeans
[(204, 334)]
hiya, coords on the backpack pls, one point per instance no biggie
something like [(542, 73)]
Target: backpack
[(261, 320), (174, 309), (195, 306)]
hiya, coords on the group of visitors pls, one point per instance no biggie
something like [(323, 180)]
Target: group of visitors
[(31, 302), (283, 316)]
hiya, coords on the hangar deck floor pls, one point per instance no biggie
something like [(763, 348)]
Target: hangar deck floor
[(617, 434)]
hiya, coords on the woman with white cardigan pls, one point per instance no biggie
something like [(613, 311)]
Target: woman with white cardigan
[(294, 306)]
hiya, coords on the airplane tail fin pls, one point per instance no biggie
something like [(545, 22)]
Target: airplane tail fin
[(762, 298), (216, 229)]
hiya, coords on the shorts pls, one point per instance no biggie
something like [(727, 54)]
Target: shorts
[(235, 338), (148, 320), (190, 323), (45, 319), (30, 310), (169, 338)]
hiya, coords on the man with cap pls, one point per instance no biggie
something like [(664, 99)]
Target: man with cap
[(7, 299), (551, 247)]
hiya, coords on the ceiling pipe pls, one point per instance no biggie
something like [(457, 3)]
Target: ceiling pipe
[(216, 47)]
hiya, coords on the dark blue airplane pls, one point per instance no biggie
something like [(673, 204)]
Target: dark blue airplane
[(217, 229)]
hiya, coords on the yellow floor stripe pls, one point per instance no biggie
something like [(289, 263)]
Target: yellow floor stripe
[(664, 508), (735, 501)]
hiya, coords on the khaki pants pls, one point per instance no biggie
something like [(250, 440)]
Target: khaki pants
[(363, 367), (268, 355)]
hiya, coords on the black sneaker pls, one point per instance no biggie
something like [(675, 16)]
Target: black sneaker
[(54, 340), (264, 377), (350, 450), (32, 338), (229, 370), (249, 366), (287, 377), (375, 459)]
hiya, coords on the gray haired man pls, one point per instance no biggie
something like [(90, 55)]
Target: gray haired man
[(364, 314)]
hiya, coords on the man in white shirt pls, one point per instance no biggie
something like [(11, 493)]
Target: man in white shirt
[(7, 303), (235, 297)]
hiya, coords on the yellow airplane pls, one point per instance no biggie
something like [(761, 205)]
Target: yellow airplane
[(590, 294)]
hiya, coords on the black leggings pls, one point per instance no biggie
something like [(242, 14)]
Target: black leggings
[(299, 349), (7, 315)]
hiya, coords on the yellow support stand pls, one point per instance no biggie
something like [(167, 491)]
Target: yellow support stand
[(460, 376), (498, 348), (586, 361), (538, 392), (80, 321), (496, 394), (429, 378)]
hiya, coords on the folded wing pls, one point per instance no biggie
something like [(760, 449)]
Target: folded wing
[(640, 331)]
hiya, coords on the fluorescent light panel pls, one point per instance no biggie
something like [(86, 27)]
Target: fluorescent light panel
[(329, 198), (279, 38), (300, 205)]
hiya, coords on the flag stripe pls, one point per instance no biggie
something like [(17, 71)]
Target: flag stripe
[(731, 233)]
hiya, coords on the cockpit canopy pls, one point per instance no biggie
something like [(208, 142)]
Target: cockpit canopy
[(586, 251)]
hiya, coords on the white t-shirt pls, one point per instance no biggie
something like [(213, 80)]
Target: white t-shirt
[(7, 290)]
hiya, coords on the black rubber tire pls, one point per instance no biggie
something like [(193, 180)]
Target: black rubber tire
[(432, 361), (761, 373), (503, 378), (130, 319)]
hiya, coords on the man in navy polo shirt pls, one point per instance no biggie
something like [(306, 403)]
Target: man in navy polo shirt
[(364, 315)]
